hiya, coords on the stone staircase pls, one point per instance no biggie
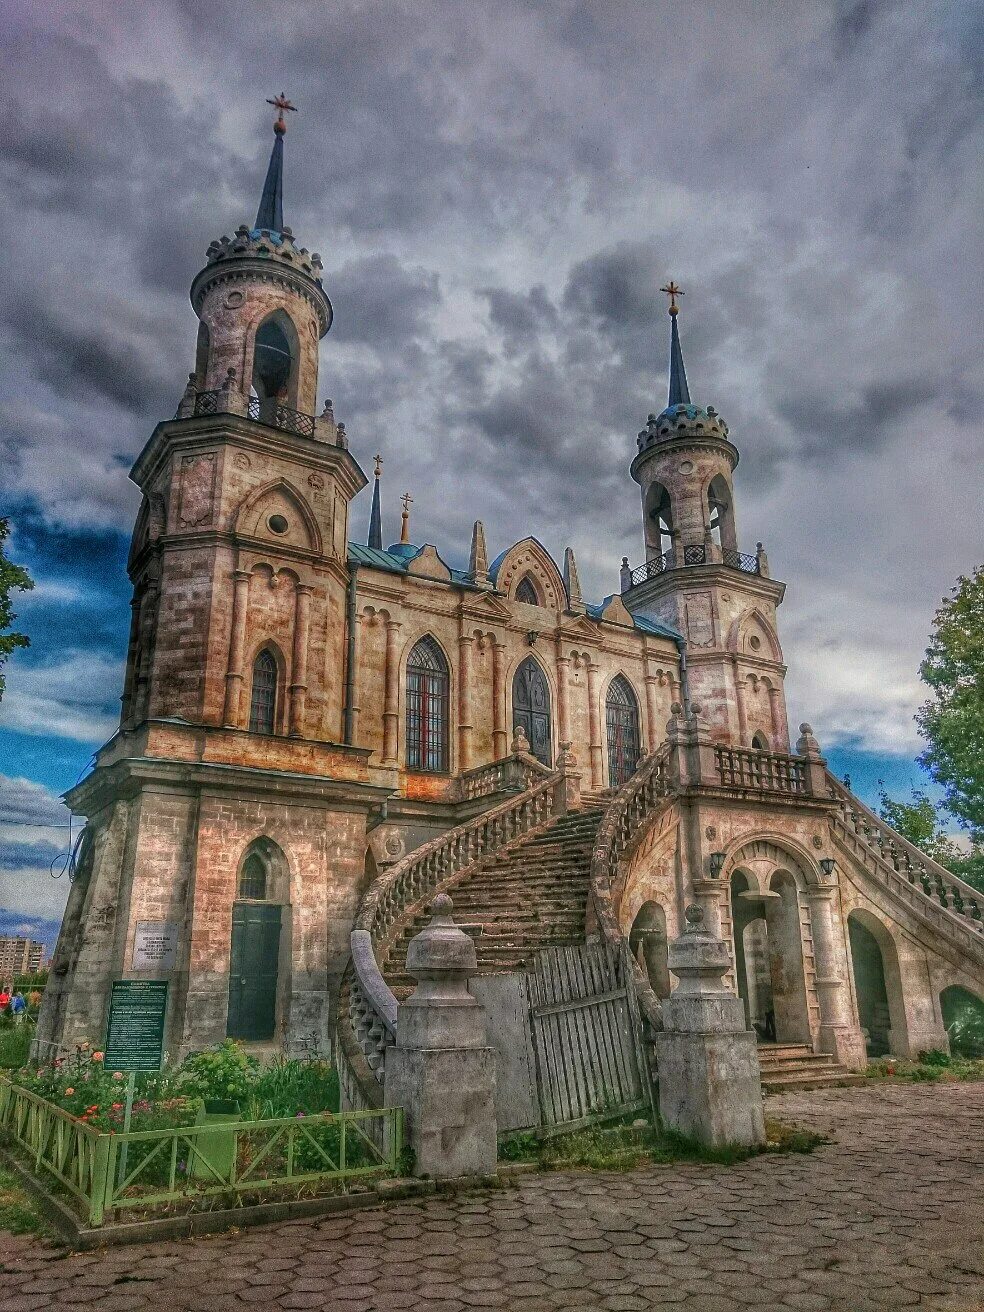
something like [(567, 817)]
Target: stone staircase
[(796, 1066), (530, 896)]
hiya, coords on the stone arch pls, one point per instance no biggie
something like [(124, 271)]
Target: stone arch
[(753, 624), (273, 352), (759, 741), (877, 983), (766, 848), (260, 955), (659, 520), (530, 558), (963, 1018), (649, 944), (257, 512), (720, 513)]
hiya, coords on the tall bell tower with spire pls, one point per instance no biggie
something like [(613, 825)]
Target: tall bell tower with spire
[(695, 576)]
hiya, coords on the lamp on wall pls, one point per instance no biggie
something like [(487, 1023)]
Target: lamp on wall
[(716, 863), (827, 865)]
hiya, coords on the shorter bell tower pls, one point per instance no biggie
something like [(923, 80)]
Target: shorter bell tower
[(695, 575)]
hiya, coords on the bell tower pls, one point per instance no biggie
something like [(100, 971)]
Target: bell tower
[(695, 576)]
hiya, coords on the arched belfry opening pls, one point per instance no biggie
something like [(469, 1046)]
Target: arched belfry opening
[(274, 378), (720, 514), (659, 520)]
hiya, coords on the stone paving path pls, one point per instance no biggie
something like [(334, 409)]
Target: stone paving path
[(891, 1215)]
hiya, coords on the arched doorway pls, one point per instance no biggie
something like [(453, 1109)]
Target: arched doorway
[(876, 982), (963, 1016), (256, 965), (769, 957), (648, 944), (622, 720), (531, 709)]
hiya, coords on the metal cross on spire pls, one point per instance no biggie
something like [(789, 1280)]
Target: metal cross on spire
[(673, 291), (407, 501), (280, 103), (379, 464)]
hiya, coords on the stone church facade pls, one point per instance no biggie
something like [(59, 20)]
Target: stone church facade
[(303, 712)]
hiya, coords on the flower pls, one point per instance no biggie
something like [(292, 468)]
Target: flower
[(117, 1106), (69, 1091), (97, 1056), (117, 1075)]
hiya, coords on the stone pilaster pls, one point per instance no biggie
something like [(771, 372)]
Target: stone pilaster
[(839, 1034)]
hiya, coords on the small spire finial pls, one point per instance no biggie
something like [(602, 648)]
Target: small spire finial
[(280, 103), (375, 538), (407, 501), (379, 464), (673, 291)]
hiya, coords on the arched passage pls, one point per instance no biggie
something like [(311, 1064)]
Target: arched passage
[(531, 709), (648, 944), (963, 1016), (877, 984), (769, 957), (259, 961)]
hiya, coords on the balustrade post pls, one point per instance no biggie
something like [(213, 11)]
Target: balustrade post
[(815, 767)]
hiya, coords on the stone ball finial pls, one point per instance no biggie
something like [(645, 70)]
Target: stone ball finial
[(806, 728), (442, 906), (520, 743), (676, 709), (694, 915), (696, 708)]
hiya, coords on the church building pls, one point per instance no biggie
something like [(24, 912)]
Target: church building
[(306, 707)]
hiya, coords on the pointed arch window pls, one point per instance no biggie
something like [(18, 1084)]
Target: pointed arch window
[(622, 719), (263, 694), (253, 878), (660, 534), (428, 680), (760, 742), (526, 591)]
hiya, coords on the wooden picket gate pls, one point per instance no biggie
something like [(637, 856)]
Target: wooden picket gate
[(586, 1035)]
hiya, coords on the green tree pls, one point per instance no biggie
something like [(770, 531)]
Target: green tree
[(12, 577), (918, 820), (952, 720)]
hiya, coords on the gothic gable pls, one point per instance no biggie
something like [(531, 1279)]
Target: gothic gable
[(530, 558), (278, 513)]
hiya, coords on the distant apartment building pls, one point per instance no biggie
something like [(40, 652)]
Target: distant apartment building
[(20, 956)]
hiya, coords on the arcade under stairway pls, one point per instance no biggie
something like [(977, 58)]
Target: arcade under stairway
[(535, 896)]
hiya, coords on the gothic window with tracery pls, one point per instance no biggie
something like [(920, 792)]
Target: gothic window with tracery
[(526, 591), (253, 878), (622, 718), (263, 694), (428, 681)]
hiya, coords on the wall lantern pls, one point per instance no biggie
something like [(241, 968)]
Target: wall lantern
[(717, 863), (827, 865)]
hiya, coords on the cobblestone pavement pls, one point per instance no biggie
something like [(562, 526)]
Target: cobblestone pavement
[(891, 1215)]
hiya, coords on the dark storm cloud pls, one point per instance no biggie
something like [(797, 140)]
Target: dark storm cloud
[(497, 193)]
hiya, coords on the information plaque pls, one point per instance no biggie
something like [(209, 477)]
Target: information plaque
[(135, 1036)]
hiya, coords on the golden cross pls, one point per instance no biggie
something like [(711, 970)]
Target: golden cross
[(280, 103), (407, 500), (379, 464), (673, 291)]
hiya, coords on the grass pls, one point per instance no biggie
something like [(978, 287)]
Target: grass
[(15, 1044), (932, 1067), (17, 1214), (622, 1147)]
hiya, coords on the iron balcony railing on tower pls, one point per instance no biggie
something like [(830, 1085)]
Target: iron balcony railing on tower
[(267, 412), (681, 558)]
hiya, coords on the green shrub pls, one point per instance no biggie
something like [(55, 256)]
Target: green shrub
[(225, 1071), (934, 1057)]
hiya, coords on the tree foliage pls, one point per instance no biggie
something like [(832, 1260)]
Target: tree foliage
[(918, 820), (952, 720), (12, 578)]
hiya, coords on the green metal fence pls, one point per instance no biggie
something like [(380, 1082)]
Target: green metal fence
[(197, 1162)]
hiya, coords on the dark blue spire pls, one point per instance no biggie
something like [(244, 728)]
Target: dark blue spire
[(375, 517), (679, 391), (270, 215)]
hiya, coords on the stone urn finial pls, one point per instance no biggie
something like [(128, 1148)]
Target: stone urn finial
[(806, 744), (520, 744), (442, 956), (566, 760)]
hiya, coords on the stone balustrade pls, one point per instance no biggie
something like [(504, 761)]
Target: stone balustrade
[(513, 774)]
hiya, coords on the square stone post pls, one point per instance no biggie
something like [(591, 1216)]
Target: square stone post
[(442, 1069), (710, 1087)]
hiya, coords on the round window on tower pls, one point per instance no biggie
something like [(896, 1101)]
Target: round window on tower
[(754, 641), (277, 524)]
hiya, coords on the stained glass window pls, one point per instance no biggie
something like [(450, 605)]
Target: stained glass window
[(427, 707), (263, 696)]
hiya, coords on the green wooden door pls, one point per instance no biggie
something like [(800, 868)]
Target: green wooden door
[(253, 971)]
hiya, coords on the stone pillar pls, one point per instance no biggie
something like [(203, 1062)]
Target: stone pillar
[(710, 1086), (594, 728), (441, 1070), (816, 767), (839, 1034), (237, 648), (302, 629), (740, 704), (391, 697), (500, 736), (780, 738), (464, 702), (563, 697), (652, 683)]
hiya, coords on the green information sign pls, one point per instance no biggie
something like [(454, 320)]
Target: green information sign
[(135, 1037)]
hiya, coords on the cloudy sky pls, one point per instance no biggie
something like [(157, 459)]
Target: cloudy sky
[(498, 190)]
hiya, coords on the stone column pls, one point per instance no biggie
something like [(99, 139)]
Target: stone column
[(391, 702), (464, 702), (710, 1086), (652, 726), (594, 728), (839, 1034), (740, 704), (442, 1070), (780, 738), (237, 648), (302, 630), (563, 697), (500, 736)]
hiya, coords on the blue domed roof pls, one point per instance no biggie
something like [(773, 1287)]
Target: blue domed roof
[(405, 549), (690, 410)]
